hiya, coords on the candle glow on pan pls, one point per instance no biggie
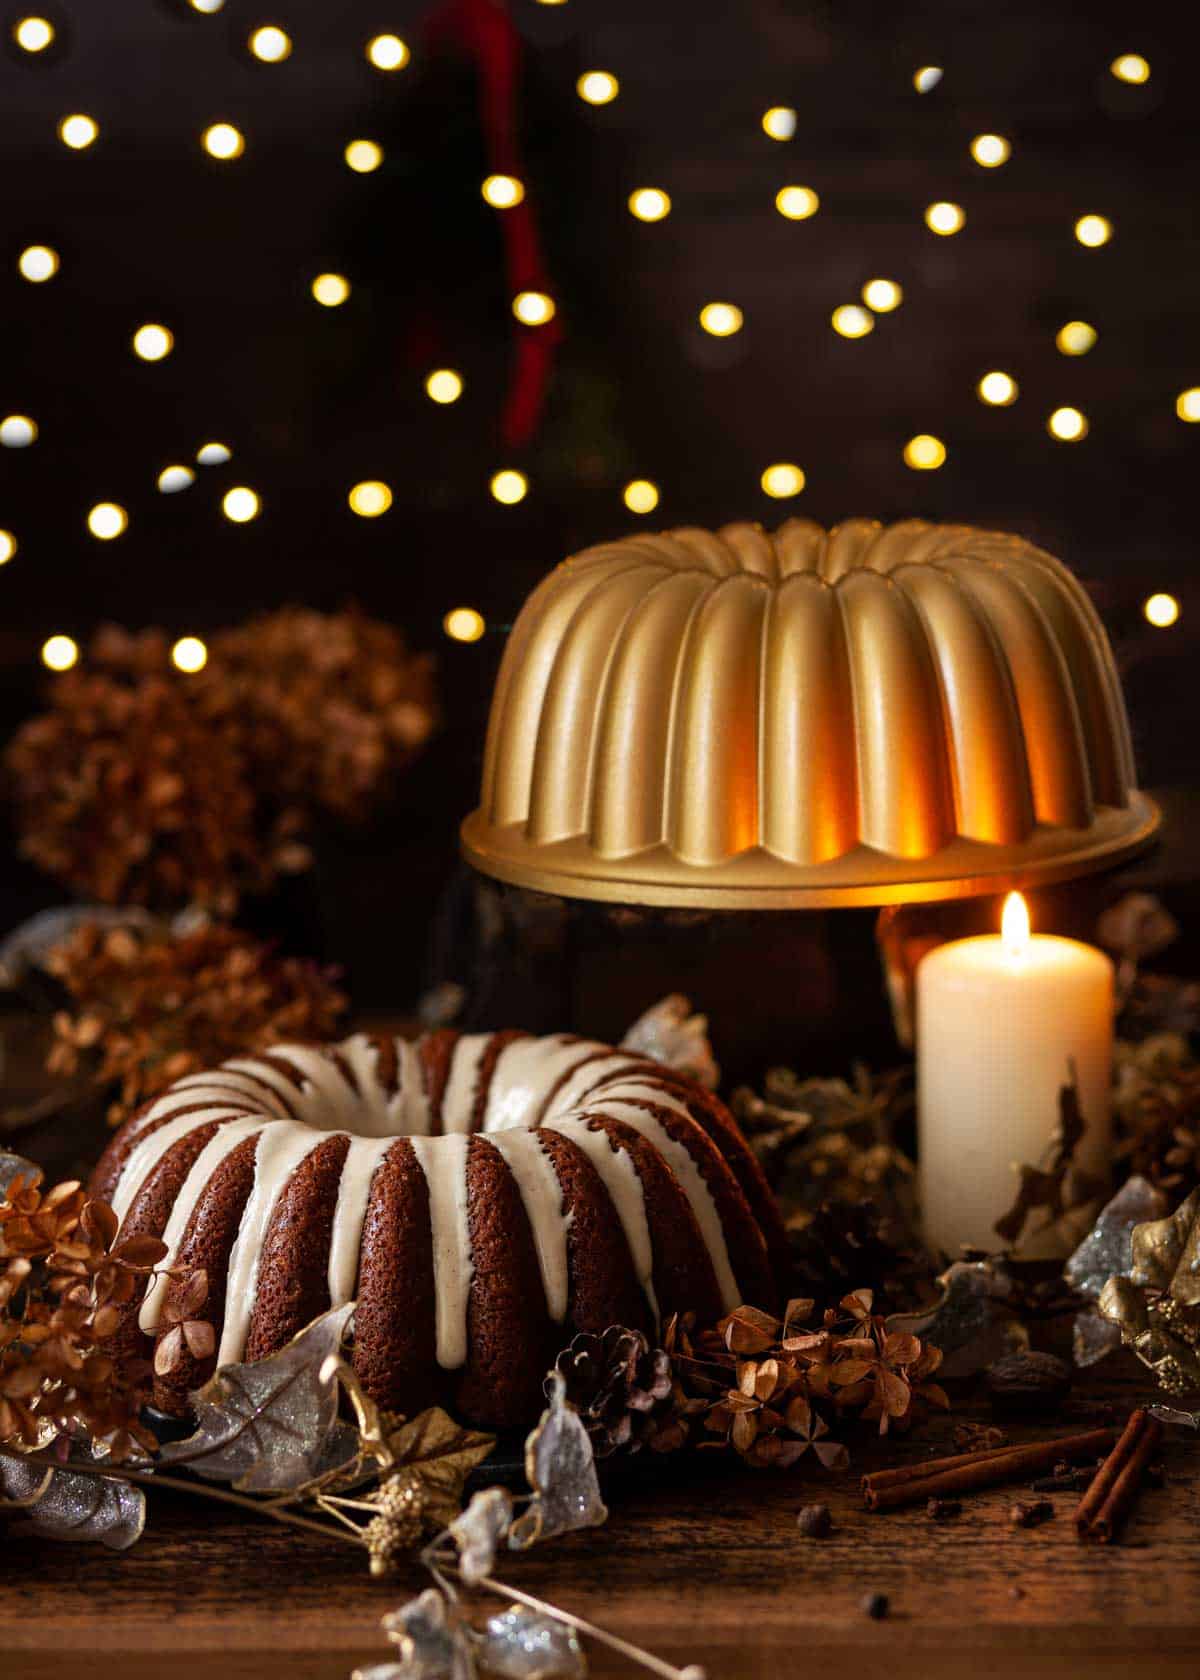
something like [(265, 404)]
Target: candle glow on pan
[(1014, 927)]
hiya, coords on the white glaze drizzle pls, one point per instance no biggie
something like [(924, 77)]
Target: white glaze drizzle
[(458, 1099), (224, 1141), (585, 1079), (354, 1190), (282, 1145), (542, 1198), (623, 1183), (525, 1070), (284, 1087), (416, 1112), (444, 1163), (384, 1108), (148, 1151)]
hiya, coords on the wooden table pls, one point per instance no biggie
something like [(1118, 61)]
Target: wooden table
[(704, 1566)]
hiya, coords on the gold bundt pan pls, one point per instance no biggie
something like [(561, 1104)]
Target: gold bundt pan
[(865, 716)]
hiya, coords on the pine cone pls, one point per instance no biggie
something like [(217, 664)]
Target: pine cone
[(620, 1386)]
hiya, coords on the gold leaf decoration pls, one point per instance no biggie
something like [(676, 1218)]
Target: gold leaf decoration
[(439, 1454)]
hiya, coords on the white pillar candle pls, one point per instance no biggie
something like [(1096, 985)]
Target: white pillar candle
[(1000, 1022)]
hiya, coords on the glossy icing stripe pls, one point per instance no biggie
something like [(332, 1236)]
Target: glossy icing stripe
[(587, 1077), (326, 1096), (620, 1178), (354, 1189), (229, 1090), (443, 1161), (282, 1085), (221, 1144), (691, 1180), (149, 1151), (525, 1070), (385, 1108), (542, 1198), (282, 1145), (458, 1101), (415, 1115)]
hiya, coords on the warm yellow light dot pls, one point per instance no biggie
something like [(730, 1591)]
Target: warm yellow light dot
[(189, 654), (1187, 404), (990, 150), (1130, 67), (927, 78), (503, 191), (107, 520), (779, 122), (783, 479), (153, 342), (1161, 611), (208, 7), (222, 140), (240, 504), (641, 495), (650, 204), (331, 289), (1076, 338), (721, 319), (882, 295), (370, 498), (598, 87), (37, 263), (33, 34), (270, 44), (851, 320), (533, 309), (363, 156), (59, 653), (945, 217), (8, 547), (998, 389), (173, 479), (78, 131), (1093, 230), (1068, 425), (797, 203), (444, 385), (18, 431), (387, 52), (509, 486), (213, 454), (924, 453), (464, 624)]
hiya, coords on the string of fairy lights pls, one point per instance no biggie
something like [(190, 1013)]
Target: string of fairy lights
[(153, 341)]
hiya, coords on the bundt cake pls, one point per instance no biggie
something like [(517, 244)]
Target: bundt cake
[(483, 1197), (802, 718)]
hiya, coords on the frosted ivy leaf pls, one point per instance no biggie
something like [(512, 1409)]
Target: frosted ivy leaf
[(478, 1531), (16, 1166), (1108, 1247), (63, 1506), (432, 1645), (561, 1470), (521, 1645), (668, 1032)]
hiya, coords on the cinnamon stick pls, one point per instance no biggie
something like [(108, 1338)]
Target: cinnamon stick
[(888, 1490), (1106, 1503)]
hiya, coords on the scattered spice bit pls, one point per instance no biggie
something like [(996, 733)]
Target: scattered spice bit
[(1028, 1384), (1016, 1592), (978, 1437), (1029, 1513), (942, 1510), (1064, 1480), (814, 1521), (876, 1605), (1108, 1501)]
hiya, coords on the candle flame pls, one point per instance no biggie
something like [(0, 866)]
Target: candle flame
[(1014, 925)]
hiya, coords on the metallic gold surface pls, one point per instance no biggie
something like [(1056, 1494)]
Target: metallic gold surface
[(866, 716)]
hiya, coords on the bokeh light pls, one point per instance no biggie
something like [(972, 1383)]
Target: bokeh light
[(1130, 67), (851, 320), (927, 77), (387, 52), (241, 504), (924, 453), (721, 319), (107, 520), (464, 624), (598, 87), (271, 44), (17, 431), (370, 498), (782, 479), (331, 289), (990, 150), (1076, 338), (509, 486), (33, 34), (444, 385), (1161, 610), (1068, 425), (152, 342), (37, 263), (222, 140), (503, 191), (208, 7), (78, 131), (59, 653), (533, 309), (650, 204), (779, 122), (882, 295), (213, 454), (640, 495), (797, 203), (997, 389), (945, 217), (363, 156), (1187, 404), (1093, 230), (189, 654), (8, 546), (173, 479)]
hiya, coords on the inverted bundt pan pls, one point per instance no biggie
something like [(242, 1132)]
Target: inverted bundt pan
[(865, 716)]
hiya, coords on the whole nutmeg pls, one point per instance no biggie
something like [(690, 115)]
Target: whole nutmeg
[(1028, 1384), (814, 1521)]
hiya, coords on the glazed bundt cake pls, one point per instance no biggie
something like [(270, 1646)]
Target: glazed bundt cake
[(483, 1197)]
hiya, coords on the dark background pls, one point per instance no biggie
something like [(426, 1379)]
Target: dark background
[(312, 400)]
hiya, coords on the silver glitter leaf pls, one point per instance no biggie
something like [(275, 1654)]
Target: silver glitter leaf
[(432, 1645), (668, 1032), (479, 1529), (561, 1470), (271, 1426), (1107, 1250), (1093, 1337), (1172, 1414), (972, 1323), (63, 1506), (521, 1645), (16, 1166)]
